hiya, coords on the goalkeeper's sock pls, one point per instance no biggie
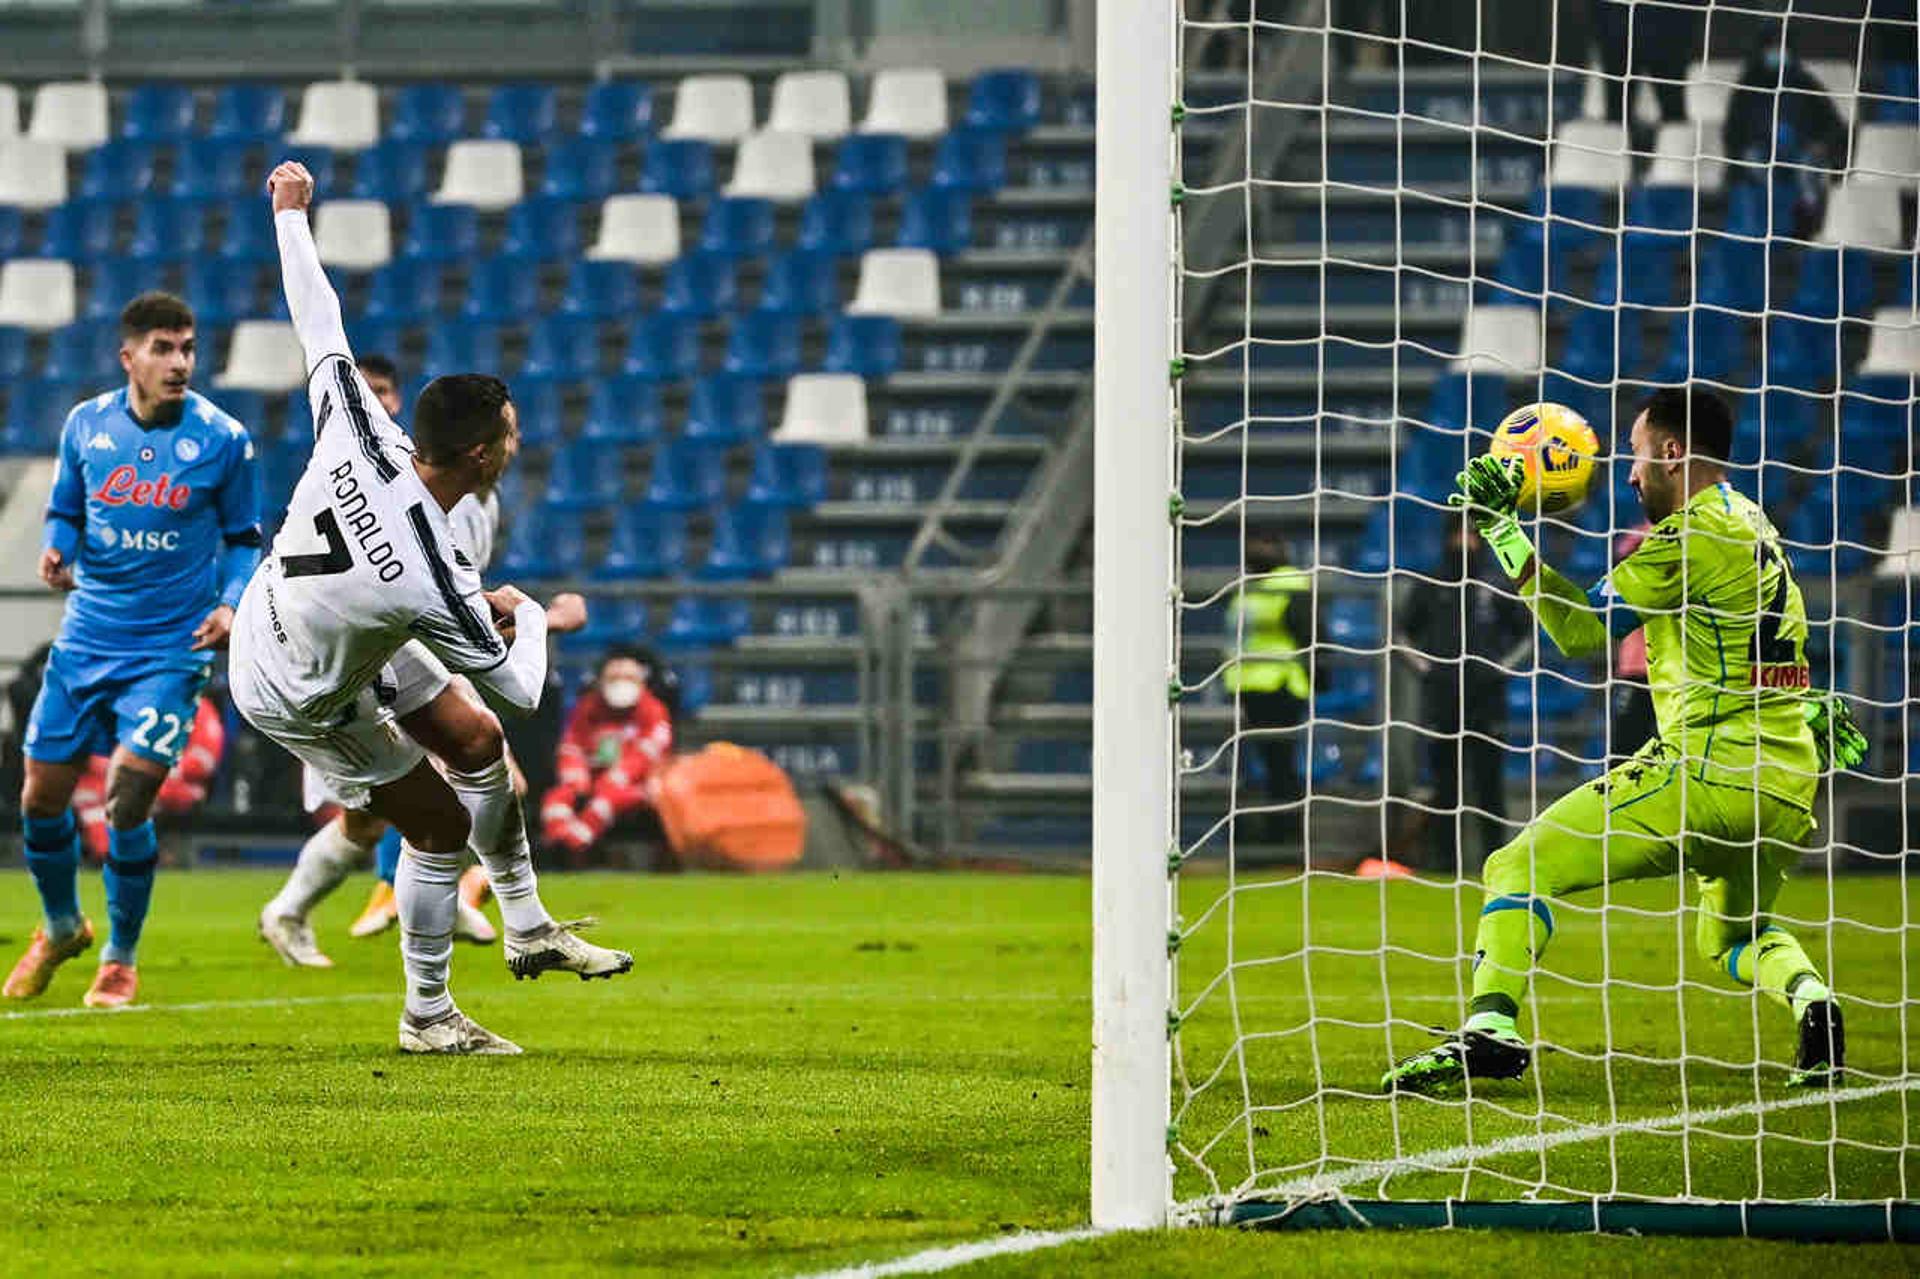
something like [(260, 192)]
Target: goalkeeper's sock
[(326, 858), (427, 892), (1493, 1023), (1777, 965), (1514, 930), (499, 840)]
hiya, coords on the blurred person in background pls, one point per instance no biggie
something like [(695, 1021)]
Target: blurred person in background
[(617, 735), (1268, 677), (1651, 43)]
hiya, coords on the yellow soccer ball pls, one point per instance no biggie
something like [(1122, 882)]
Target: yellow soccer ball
[(1558, 448)]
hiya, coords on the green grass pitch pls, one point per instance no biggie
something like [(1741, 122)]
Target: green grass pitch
[(801, 1073)]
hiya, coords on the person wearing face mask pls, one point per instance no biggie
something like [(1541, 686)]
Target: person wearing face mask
[(620, 731)]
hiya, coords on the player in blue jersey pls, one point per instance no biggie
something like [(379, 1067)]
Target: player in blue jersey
[(154, 528)]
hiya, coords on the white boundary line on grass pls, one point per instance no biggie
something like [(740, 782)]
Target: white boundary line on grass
[(935, 1260), (208, 1006)]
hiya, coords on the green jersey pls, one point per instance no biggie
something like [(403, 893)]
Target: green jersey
[(1726, 644)]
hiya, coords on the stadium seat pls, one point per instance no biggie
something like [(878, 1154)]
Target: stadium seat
[(971, 160), (801, 283), (441, 233), (484, 174), (406, 291), (910, 101), (711, 108), (788, 475), (1877, 409), (738, 227), (1705, 341), (33, 174), (428, 112), (1680, 161), (13, 354), (586, 475), (699, 621), (500, 290), (248, 112), (645, 542), (681, 168), (624, 409), (1591, 155), (1900, 93), (248, 408), (167, 230), (354, 234), (663, 348), (340, 115), (159, 113), (13, 233), (524, 112), (36, 410), (1595, 331), (897, 282), (824, 408), (867, 345), (219, 292), (687, 475), (871, 164), (112, 280), (836, 222), (319, 161), (70, 114), (542, 542), (79, 232), (394, 170), (699, 285), (37, 293), (602, 290), (774, 166), (617, 111), (460, 347), (748, 541), (579, 169), (1886, 155), (81, 351), (610, 620), (1008, 101), (939, 219), (212, 169), (1499, 339), (264, 355), (1893, 344), (764, 344), (9, 111), (118, 170), (541, 410), (1351, 622), (563, 348), (814, 104), (541, 230), (642, 229), (724, 410)]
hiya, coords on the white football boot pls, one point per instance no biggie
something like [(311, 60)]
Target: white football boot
[(558, 947), (470, 923), (292, 939), (453, 1034)]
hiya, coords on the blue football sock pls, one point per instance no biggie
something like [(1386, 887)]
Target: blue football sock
[(53, 855), (131, 856), (386, 857)]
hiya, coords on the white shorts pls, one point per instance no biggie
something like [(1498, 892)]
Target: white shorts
[(410, 679)]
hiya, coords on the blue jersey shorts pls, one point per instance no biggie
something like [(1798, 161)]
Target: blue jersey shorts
[(90, 702)]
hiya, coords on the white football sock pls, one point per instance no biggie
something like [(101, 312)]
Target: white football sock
[(499, 841), (327, 858), (426, 889)]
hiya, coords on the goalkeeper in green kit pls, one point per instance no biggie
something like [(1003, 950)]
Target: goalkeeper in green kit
[(1724, 792)]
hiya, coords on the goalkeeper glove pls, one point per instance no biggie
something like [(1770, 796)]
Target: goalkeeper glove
[(1839, 740), (1489, 490)]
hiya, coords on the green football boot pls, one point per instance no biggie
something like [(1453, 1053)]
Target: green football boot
[(1444, 1069)]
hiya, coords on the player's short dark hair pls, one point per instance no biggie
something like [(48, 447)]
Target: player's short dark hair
[(154, 310), (378, 366), (456, 412), (1697, 417)]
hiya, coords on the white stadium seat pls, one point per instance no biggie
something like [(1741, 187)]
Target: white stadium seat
[(1500, 339), (1683, 156), (1893, 343), (264, 355), (898, 282), (1887, 155), (483, 173), (824, 408), (911, 101), (33, 175), (342, 115), (1591, 153), (9, 112), (712, 108), (1863, 214), (355, 234), (774, 166), (1903, 545), (814, 104), (643, 229), (1593, 98), (37, 293), (70, 114), (1710, 90)]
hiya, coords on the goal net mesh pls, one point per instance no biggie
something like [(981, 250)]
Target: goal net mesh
[(1394, 223)]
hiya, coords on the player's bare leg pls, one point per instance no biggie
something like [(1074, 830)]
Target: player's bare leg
[(326, 859), (53, 857)]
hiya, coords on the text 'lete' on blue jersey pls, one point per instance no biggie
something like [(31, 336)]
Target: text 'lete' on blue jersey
[(160, 523)]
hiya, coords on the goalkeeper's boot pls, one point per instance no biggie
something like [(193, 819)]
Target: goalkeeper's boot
[(557, 947), (115, 986), (379, 914), (292, 939), (452, 1034), (470, 923), (30, 977), (1823, 1047), (1446, 1067)]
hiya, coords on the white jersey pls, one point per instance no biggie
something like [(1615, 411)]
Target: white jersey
[(476, 526)]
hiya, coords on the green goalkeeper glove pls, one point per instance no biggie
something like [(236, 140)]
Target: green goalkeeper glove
[(1839, 740), (1489, 490)]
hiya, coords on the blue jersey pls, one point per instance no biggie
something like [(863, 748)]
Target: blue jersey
[(159, 523)]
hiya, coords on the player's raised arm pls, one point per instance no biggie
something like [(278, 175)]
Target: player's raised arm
[(311, 301), (1489, 490), (522, 677)]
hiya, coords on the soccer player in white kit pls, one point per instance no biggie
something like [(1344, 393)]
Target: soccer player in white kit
[(364, 562)]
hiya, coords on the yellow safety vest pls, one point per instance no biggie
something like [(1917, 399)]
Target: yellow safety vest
[(1269, 659)]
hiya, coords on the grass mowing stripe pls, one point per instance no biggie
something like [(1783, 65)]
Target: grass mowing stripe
[(205, 1006), (953, 1256)]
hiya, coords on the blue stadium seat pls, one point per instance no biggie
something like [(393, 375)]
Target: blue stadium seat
[(738, 226), (249, 112), (725, 410), (1007, 100), (459, 347), (603, 290), (13, 353), (428, 112), (248, 408), (748, 541), (789, 475), (1353, 697), (1705, 342), (836, 222), (679, 167), (1802, 353), (1900, 90), (579, 169), (699, 285), (212, 169), (540, 409), (663, 348), (542, 542), (1602, 343), (249, 238), (705, 621), (610, 620), (442, 233), (13, 232), (563, 348), (623, 409), (1833, 282), (78, 231), (971, 160), (81, 352), (865, 344), (159, 113), (1661, 208), (393, 170), (298, 412), (112, 281), (586, 474), (500, 291), (645, 542), (764, 344), (403, 291), (36, 410), (1878, 408), (167, 230), (936, 218), (1351, 622), (221, 292), (871, 164), (687, 475), (801, 282), (117, 170), (617, 111), (542, 230), (523, 112)]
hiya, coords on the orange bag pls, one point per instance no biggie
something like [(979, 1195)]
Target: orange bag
[(729, 807)]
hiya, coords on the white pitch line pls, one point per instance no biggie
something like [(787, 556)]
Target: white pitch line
[(211, 1005), (953, 1256)]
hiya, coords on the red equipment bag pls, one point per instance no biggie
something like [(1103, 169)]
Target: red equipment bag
[(729, 807)]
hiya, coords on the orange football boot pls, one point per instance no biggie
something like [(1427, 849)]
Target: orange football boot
[(114, 986), (30, 976)]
